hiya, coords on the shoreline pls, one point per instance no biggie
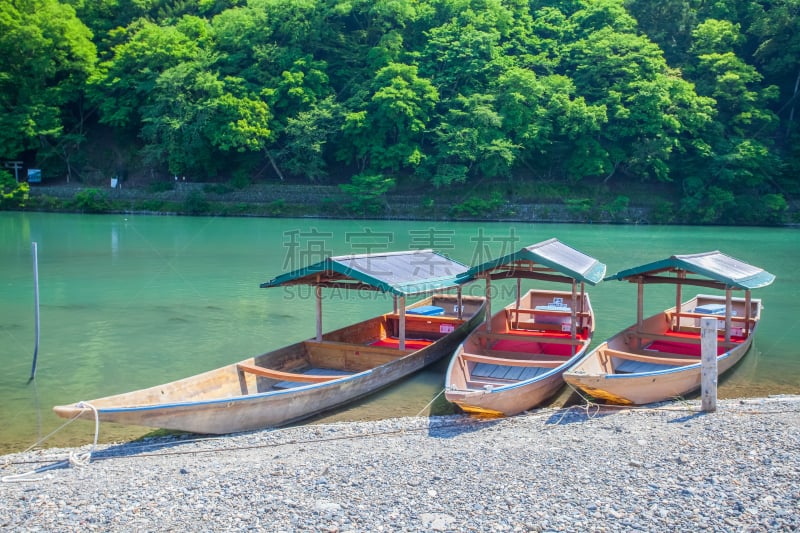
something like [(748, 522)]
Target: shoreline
[(661, 467), (316, 201)]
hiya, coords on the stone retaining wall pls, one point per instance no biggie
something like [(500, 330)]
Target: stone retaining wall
[(399, 206)]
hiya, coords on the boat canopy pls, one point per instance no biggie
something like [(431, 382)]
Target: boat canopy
[(400, 273), (724, 270), (553, 255)]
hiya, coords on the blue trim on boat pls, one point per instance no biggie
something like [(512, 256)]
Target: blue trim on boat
[(234, 399)]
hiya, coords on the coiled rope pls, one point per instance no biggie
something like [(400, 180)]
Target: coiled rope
[(74, 459), (83, 459)]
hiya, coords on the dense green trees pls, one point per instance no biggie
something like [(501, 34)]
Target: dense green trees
[(46, 58), (700, 97)]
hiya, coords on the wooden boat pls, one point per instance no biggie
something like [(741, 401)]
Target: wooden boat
[(658, 358), (515, 359), (315, 375)]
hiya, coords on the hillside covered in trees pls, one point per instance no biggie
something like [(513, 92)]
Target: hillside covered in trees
[(692, 97)]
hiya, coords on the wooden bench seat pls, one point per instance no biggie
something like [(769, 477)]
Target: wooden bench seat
[(532, 337), (673, 359), (434, 319), (682, 337), (721, 318), (639, 367), (546, 312), (510, 361), (388, 349), (490, 374), (305, 377)]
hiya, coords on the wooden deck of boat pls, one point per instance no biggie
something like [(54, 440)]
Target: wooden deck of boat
[(331, 360), (666, 351), (489, 374), (518, 355)]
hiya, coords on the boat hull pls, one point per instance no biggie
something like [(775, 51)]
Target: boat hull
[(481, 395), (674, 374), (228, 400)]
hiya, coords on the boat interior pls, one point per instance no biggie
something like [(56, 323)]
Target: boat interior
[(525, 340), (359, 347), (672, 339)]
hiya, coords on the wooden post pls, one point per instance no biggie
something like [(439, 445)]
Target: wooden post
[(708, 366), (728, 314), (573, 328), (678, 302), (402, 325), (747, 313), (488, 303), (460, 303), (639, 304), (639, 310), (318, 294)]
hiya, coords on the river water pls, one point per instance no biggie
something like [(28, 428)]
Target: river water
[(129, 301)]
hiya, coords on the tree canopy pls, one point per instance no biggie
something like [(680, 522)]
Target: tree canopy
[(699, 96)]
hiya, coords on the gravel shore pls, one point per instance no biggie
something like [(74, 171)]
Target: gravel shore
[(663, 468)]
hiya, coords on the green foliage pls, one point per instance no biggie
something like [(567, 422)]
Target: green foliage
[(616, 209), (471, 139), (90, 201), (196, 204), (155, 206), (306, 136), (277, 207), (125, 82), (712, 205), (386, 133), (368, 193), (770, 210), (12, 194), (701, 96), (46, 56), (663, 213), (477, 207), (217, 188), (45, 203), (240, 180), (581, 209), (161, 186)]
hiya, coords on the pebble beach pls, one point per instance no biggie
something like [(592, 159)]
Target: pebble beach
[(667, 467)]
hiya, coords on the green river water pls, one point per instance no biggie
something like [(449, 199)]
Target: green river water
[(129, 301)]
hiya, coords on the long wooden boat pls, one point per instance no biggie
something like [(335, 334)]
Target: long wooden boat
[(327, 371), (658, 358), (515, 360)]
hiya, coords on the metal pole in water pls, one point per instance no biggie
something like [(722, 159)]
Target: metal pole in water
[(36, 307), (708, 364)]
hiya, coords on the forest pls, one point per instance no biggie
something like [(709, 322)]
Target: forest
[(695, 99)]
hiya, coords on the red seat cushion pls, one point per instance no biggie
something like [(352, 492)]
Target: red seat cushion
[(411, 344)]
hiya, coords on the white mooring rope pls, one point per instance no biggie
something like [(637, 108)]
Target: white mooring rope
[(75, 459)]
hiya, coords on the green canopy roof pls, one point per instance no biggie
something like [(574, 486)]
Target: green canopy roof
[(401, 273), (715, 266), (553, 255)]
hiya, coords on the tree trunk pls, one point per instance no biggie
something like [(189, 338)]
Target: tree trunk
[(274, 165), (794, 102)]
